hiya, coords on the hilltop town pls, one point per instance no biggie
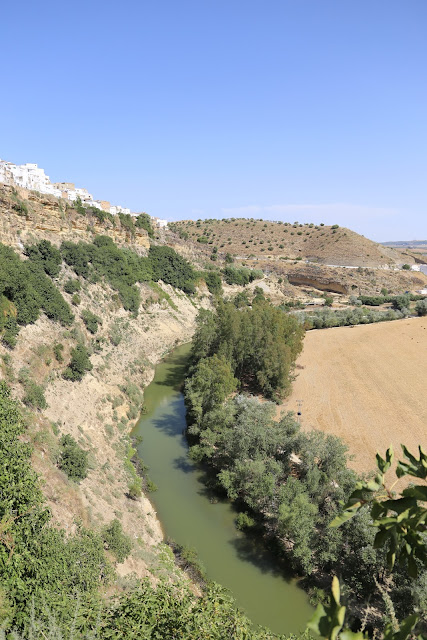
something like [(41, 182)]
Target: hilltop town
[(31, 176)]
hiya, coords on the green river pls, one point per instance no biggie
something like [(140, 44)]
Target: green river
[(252, 574)]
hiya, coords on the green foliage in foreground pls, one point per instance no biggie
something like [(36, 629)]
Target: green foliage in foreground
[(401, 526), (39, 567), (172, 611)]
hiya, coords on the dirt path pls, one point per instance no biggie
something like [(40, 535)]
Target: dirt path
[(366, 384)]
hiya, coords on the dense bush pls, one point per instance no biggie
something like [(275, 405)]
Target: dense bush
[(241, 276), (10, 331), (8, 326), (91, 320), (73, 459), (79, 364), (127, 223), (116, 541), (169, 266), (143, 221), (58, 348), (172, 611), (46, 255), (34, 395), (421, 307), (26, 284), (213, 282), (102, 215), (72, 286)]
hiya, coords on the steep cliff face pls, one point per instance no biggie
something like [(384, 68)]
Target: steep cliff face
[(28, 216), (100, 410)]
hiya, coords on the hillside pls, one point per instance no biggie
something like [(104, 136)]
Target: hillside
[(258, 239), (28, 216), (100, 410)]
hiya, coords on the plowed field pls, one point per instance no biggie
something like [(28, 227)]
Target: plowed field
[(366, 384)]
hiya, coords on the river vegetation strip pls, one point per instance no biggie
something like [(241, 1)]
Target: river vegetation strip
[(287, 484)]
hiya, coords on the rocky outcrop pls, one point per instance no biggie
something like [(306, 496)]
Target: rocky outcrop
[(29, 216), (322, 283)]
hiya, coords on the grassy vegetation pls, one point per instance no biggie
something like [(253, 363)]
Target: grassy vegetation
[(258, 238)]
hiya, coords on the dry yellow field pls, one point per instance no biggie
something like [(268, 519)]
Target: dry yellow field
[(366, 384)]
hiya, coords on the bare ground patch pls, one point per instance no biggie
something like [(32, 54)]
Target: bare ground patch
[(366, 384)]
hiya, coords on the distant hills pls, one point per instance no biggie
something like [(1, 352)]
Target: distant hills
[(405, 244), (260, 240)]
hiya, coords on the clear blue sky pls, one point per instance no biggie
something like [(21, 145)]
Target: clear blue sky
[(308, 110)]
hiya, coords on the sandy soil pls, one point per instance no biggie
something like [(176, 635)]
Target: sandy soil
[(366, 384)]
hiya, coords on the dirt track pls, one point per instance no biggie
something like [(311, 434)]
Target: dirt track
[(366, 384)]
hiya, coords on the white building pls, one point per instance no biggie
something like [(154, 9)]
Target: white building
[(6, 175), (158, 222), (30, 176), (118, 209)]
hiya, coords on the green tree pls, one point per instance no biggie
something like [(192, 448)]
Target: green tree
[(143, 221), (117, 541), (211, 383), (91, 320), (74, 460), (79, 363), (46, 255), (421, 307)]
